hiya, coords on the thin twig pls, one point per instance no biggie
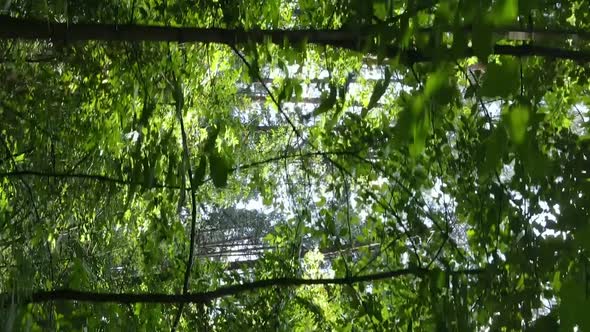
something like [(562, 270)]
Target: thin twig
[(270, 94)]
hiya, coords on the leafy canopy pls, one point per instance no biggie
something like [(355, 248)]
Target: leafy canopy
[(294, 165)]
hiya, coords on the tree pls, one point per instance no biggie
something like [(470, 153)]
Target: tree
[(394, 187)]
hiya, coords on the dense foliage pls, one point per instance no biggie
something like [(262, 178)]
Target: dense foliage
[(294, 165)]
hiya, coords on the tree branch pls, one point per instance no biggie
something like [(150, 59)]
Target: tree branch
[(205, 297), (351, 39), (95, 177), (179, 98), (107, 179)]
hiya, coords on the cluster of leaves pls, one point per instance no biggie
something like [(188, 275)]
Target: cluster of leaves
[(416, 165)]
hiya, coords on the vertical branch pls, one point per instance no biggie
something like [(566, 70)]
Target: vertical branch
[(179, 99), (37, 215)]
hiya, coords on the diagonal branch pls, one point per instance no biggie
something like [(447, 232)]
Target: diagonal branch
[(272, 97)]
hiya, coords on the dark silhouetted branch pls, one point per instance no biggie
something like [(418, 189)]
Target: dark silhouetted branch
[(81, 176), (204, 297), (352, 39)]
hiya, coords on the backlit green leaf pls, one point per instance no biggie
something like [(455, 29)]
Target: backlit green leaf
[(518, 119), (505, 11)]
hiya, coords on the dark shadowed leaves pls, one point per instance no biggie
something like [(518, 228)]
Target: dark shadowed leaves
[(501, 80), (219, 169), (200, 171), (378, 91)]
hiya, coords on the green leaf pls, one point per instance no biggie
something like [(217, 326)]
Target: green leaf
[(219, 170), (378, 91), (178, 96), (438, 87), (574, 302), (298, 89), (582, 236), (493, 151), (420, 127), (353, 296), (505, 11), (546, 323), (501, 80), (438, 280), (283, 66), (200, 171), (556, 283), (435, 82), (327, 102), (330, 225), (146, 112), (286, 91), (311, 307), (212, 134), (413, 126), (518, 120), (535, 163)]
